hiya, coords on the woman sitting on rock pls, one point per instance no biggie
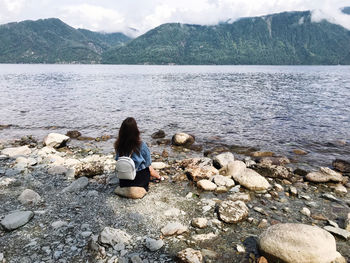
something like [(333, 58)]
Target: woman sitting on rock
[(129, 144)]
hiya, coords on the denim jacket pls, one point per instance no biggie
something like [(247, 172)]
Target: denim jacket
[(141, 160)]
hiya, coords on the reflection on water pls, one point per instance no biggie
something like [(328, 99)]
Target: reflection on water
[(272, 107)]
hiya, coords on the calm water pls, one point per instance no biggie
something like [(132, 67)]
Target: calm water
[(276, 108)]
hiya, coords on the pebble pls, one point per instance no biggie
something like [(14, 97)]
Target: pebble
[(293, 190), (77, 185), (1, 257), (260, 210), (59, 224), (240, 249), (173, 228), (305, 211), (29, 196), (199, 222), (330, 197), (136, 259), (332, 223), (153, 244)]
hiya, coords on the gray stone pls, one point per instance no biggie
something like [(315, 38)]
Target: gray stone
[(154, 245), (298, 243), (77, 185), (29, 196), (16, 219), (330, 197), (338, 232), (232, 212), (223, 159), (112, 236), (57, 169), (136, 259), (59, 224)]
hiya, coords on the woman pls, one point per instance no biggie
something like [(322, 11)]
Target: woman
[(129, 143)]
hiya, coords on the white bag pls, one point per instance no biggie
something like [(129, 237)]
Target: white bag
[(125, 168)]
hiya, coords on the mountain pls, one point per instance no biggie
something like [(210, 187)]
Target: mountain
[(346, 10), (286, 38), (52, 41)]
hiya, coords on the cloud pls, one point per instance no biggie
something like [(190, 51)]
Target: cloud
[(93, 17)]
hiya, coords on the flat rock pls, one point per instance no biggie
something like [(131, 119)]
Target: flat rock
[(206, 185), (338, 232), (153, 244), (223, 159), (29, 196), (77, 185), (17, 151), (189, 255), (247, 177), (199, 222), (112, 236), (232, 211), (159, 165), (16, 219), (324, 175), (173, 228), (300, 243), (55, 140)]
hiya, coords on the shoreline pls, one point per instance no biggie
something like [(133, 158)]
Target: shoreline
[(67, 224)]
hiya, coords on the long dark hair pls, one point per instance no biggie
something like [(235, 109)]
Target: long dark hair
[(128, 140)]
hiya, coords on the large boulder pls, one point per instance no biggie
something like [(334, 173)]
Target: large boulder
[(324, 175), (55, 140), (232, 211), (17, 151), (182, 139), (290, 243), (223, 159), (247, 177)]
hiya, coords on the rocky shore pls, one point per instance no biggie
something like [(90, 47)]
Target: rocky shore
[(58, 205)]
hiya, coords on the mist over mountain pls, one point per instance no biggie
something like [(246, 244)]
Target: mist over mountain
[(289, 38)]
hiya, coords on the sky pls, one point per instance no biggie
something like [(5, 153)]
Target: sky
[(135, 17)]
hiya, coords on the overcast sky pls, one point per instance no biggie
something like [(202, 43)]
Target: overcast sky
[(143, 15)]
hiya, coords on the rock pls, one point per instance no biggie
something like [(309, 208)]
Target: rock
[(347, 223), (232, 211), (278, 187), (273, 171), (324, 175), (16, 219), (159, 165), (136, 259), (114, 237), (158, 134), (244, 197), (182, 139), (221, 189), (221, 180), (338, 232), (206, 185), (173, 228), (262, 154), (278, 161), (247, 177), (55, 140), (89, 169), (293, 190), (189, 255), (29, 196), (263, 223), (57, 169), (73, 134), (58, 224), (132, 192), (305, 211), (262, 260), (204, 237), (260, 210), (341, 165), (340, 189), (330, 197), (223, 159), (300, 243), (154, 245), (199, 222), (17, 151), (240, 249), (299, 152), (77, 185), (2, 258)]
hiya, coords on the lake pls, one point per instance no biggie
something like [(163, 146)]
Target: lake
[(274, 108)]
